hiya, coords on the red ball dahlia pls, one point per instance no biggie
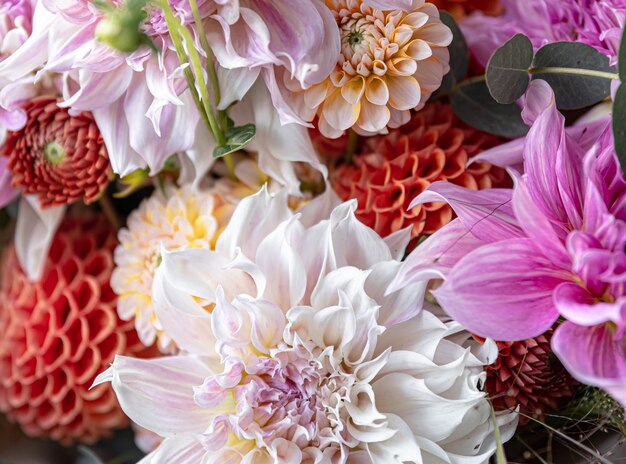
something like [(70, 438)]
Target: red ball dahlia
[(59, 333), (527, 374), (461, 8), (59, 157), (389, 171)]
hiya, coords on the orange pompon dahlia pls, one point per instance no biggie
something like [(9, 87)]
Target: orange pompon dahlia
[(59, 333), (527, 374), (390, 63), (390, 171), (461, 8), (60, 158)]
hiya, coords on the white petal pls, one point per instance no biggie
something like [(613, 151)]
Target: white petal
[(34, 232), (157, 393), (182, 449)]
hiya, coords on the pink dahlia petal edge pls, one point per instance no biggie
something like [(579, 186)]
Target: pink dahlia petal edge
[(593, 355)]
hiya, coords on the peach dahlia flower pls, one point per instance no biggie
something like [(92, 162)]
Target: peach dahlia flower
[(390, 62)]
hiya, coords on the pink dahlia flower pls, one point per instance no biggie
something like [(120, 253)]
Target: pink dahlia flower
[(554, 246), (598, 23), (295, 355), (140, 101)]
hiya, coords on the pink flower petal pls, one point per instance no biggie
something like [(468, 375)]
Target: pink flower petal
[(502, 290), (488, 214), (157, 393), (593, 355)]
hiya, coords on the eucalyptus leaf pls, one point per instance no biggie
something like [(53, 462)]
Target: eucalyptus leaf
[(573, 91), (507, 69), (619, 125), (236, 139), (621, 57), (475, 106), (459, 53)]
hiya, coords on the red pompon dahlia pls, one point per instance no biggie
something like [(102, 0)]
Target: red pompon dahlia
[(59, 157), (59, 333), (389, 171), (527, 374), (461, 8)]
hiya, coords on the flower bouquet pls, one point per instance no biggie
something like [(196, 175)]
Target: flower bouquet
[(312, 231)]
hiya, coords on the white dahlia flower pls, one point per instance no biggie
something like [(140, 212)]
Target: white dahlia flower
[(296, 354)]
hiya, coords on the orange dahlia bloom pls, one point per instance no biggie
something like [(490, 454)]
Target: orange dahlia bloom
[(59, 333), (390, 171), (60, 158), (527, 374), (390, 63), (461, 8)]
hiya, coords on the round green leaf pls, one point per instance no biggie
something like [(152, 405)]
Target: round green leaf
[(507, 69), (573, 91), (475, 106), (619, 125)]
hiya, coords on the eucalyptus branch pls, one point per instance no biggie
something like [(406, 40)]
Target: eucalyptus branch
[(575, 71)]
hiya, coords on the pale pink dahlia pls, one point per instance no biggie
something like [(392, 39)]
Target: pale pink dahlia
[(173, 218), (295, 354), (390, 62)]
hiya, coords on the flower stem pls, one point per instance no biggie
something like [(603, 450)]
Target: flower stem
[(178, 30), (109, 211), (353, 139), (575, 71)]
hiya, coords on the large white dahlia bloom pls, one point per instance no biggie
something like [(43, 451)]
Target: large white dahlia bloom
[(294, 353)]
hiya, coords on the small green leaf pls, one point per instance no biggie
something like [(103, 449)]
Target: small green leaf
[(619, 125), (621, 57), (475, 106), (507, 69), (573, 91), (236, 139), (459, 53)]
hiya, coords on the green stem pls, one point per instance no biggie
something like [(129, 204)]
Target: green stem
[(182, 58), (194, 59), (575, 71), (353, 139), (210, 66)]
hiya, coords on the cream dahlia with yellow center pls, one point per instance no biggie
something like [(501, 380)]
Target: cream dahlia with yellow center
[(175, 218), (390, 62)]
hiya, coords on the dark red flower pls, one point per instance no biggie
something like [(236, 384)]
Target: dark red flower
[(528, 374), (59, 157)]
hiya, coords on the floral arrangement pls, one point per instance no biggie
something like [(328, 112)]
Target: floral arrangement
[(313, 231)]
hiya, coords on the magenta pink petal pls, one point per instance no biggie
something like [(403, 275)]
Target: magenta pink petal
[(487, 214), (593, 355), (579, 306), (503, 290)]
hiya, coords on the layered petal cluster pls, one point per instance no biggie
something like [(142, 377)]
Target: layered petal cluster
[(598, 23), (517, 260), (391, 60), (59, 333), (141, 102), (16, 17), (173, 218), (528, 376), (389, 171), (56, 156), (295, 352)]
